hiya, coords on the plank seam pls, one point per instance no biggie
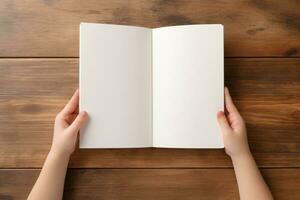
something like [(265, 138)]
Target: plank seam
[(227, 57), (150, 168)]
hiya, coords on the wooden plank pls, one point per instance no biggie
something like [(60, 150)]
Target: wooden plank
[(150, 183), (51, 28), (32, 91)]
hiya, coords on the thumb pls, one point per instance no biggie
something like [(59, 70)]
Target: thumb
[(223, 123), (78, 122)]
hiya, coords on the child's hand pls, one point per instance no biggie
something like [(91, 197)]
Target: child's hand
[(233, 129), (66, 127)]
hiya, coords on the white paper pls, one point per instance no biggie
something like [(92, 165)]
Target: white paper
[(187, 86), (144, 88), (115, 86)]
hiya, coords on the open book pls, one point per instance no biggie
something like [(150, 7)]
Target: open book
[(147, 87)]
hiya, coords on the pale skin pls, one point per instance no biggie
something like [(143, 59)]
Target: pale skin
[(50, 183), (250, 182)]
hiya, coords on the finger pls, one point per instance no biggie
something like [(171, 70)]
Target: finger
[(78, 122), (230, 107), (70, 118), (72, 105), (223, 123), (77, 110)]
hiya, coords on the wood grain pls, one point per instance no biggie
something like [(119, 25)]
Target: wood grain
[(32, 91), (50, 28), (150, 183)]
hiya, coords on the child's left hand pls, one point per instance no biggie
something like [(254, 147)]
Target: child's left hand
[(66, 127)]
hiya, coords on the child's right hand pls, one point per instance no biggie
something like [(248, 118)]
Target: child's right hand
[(233, 129)]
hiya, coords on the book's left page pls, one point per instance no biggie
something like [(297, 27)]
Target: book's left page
[(115, 86)]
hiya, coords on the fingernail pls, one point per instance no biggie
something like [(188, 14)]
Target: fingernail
[(84, 113), (220, 113)]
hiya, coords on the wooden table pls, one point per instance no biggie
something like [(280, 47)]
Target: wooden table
[(39, 47)]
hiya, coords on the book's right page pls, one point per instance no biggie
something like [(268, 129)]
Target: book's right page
[(188, 84)]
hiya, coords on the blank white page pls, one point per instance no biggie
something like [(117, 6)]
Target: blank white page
[(187, 86), (115, 86)]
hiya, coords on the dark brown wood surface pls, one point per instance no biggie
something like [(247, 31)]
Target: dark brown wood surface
[(39, 72), (206, 184), (50, 28)]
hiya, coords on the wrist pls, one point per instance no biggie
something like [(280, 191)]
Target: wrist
[(241, 156), (58, 155)]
